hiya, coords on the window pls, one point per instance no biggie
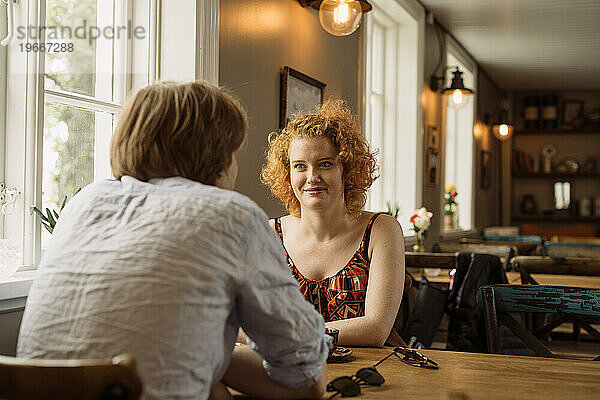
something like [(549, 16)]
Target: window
[(458, 163), (63, 102), (62, 106), (83, 92), (393, 72)]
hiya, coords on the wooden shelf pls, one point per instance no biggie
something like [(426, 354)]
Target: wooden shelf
[(564, 175), (539, 132), (553, 217)]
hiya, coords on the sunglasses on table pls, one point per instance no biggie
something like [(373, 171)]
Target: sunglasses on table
[(349, 386), (411, 357)]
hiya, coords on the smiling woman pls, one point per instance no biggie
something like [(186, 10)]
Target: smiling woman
[(333, 120), (316, 171), (349, 263)]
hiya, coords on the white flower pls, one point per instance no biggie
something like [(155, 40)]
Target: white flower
[(421, 219)]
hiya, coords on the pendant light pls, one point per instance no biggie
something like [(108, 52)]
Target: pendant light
[(339, 17)]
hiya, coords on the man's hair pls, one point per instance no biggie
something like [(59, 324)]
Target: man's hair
[(178, 129), (333, 120)]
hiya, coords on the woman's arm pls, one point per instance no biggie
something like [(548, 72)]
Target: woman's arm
[(384, 288)]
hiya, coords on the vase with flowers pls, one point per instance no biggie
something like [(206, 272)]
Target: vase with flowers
[(421, 221), (450, 207)]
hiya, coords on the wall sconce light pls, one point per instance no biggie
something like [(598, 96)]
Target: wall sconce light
[(458, 95), (503, 128), (339, 17)]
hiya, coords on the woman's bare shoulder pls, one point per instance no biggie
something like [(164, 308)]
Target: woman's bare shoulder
[(387, 229), (382, 222)]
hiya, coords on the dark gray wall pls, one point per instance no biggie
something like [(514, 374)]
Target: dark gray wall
[(257, 38), (432, 116), (488, 201), (10, 321)]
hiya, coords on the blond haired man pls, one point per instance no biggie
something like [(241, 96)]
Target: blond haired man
[(167, 262)]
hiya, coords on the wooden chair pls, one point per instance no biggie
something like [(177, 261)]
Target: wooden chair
[(500, 300), (527, 265), (394, 338), (522, 246), (39, 379), (503, 251)]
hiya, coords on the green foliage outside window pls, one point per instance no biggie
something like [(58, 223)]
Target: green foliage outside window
[(70, 155)]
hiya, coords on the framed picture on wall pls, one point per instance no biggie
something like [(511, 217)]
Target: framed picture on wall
[(431, 167), (432, 137), (485, 170), (299, 94), (571, 111)]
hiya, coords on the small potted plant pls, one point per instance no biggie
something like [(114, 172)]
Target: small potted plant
[(450, 207), (51, 218), (421, 221)]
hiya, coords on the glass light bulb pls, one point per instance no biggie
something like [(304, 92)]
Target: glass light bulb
[(457, 99), (340, 17), (503, 131), (341, 14)]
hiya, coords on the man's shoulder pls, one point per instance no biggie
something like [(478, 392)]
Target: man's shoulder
[(237, 207)]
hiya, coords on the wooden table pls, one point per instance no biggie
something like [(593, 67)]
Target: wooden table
[(442, 278), (475, 376), (592, 282), (522, 247), (430, 260), (514, 278)]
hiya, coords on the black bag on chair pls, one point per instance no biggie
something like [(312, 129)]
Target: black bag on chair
[(425, 316)]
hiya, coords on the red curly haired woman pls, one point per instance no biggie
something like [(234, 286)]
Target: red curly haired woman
[(349, 263)]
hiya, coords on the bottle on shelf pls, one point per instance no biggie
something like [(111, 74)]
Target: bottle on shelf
[(532, 112), (550, 111), (528, 204), (585, 207)]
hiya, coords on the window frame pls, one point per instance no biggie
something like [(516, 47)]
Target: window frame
[(119, 66), (458, 52), (414, 10)]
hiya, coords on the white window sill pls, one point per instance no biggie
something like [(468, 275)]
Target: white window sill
[(15, 280), (14, 290), (16, 284)]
